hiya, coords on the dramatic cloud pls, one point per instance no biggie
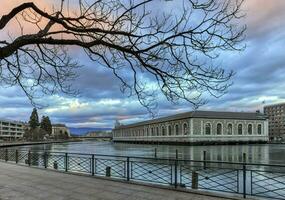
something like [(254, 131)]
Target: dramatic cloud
[(259, 78)]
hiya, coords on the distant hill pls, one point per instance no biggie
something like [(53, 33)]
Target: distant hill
[(85, 130)]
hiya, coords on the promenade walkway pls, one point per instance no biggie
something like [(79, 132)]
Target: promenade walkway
[(24, 183)]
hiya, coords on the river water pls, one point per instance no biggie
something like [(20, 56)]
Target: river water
[(256, 153), (256, 180)]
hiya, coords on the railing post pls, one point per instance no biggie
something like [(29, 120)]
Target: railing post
[(45, 159), (92, 165), (128, 168), (66, 162), (16, 156), (244, 174), (155, 152), (29, 158), (204, 159), (244, 180), (175, 172), (6, 155)]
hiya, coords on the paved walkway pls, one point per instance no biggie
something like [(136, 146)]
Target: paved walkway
[(24, 183)]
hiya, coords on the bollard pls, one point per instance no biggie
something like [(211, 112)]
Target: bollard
[(108, 171), (195, 180), (55, 165)]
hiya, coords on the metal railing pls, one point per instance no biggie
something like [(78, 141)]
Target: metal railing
[(245, 179)]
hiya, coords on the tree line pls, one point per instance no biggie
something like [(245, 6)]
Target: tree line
[(41, 130)]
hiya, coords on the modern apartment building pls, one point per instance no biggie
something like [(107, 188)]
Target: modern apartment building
[(10, 130), (276, 118)]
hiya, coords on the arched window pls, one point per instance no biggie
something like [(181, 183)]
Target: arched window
[(249, 129), (259, 129), (152, 132), (163, 130), (230, 129), (240, 129), (219, 129), (185, 129), (176, 129), (157, 131), (147, 131), (169, 130), (208, 129)]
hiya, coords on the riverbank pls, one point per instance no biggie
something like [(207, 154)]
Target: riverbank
[(20, 182), (185, 143), (26, 143)]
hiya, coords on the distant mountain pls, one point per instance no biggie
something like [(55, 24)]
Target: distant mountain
[(85, 130)]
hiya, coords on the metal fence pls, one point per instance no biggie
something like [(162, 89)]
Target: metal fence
[(245, 179)]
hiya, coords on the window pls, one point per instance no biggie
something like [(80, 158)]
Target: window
[(157, 131), (185, 129), (219, 129), (169, 130), (163, 130), (249, 129), (240, 129), (176, 129), (152, 132), (147, 131), (208, 129), (259, 130), (230, 129)]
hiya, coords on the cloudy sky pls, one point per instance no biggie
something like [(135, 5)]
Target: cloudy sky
[(260, 72)]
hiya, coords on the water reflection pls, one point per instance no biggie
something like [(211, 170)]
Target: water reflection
[(263, 153)]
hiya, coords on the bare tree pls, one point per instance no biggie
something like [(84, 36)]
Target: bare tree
[(141, 47)]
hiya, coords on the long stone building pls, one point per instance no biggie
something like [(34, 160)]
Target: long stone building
[(197, 127)]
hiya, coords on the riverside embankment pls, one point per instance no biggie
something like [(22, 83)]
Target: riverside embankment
[(28, 143)]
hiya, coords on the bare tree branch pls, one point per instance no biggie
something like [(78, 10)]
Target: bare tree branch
[(146, 51)]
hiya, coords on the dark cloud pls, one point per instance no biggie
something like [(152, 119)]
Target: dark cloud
[(259, 77)]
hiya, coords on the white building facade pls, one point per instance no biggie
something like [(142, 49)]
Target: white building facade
[(60, 129), (10, 130), (197, 127)]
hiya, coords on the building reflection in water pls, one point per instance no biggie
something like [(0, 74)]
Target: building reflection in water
[(264, 153)]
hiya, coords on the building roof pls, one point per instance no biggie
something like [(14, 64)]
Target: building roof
[(11, 121), (273, 105), (202, 114), (58, 125)]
